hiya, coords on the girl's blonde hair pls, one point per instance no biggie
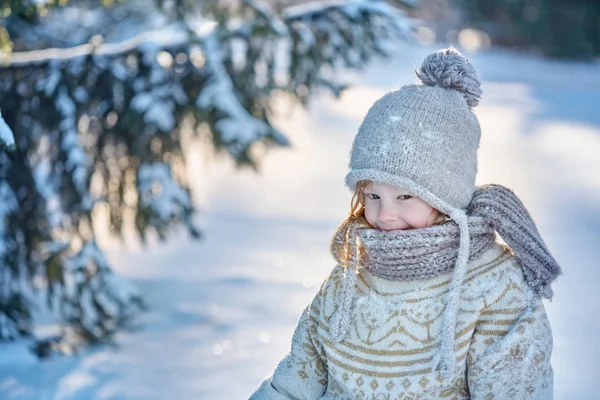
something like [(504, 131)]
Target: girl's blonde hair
[(346, 235)]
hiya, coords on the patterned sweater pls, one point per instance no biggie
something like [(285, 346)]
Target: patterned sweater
[(503, 340)]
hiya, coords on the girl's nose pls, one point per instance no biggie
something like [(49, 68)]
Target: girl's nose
[(387, 214)]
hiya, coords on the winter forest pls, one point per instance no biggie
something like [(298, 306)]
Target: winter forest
[(172, 171)]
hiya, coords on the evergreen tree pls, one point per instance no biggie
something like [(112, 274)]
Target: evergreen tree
[(103, 100)]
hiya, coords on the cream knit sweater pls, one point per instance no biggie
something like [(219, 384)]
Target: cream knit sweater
[(503, 340)]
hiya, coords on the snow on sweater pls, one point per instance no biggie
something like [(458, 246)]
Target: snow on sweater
[(503, 340)]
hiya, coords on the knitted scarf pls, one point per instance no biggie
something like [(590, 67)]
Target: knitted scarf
[(405, 255)]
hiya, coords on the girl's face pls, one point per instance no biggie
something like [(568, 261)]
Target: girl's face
[(389, 208)]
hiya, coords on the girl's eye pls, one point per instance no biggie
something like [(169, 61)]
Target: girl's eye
[(372, 196), (404, 197)]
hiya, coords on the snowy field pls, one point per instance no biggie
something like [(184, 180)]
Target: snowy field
[(223, 310)]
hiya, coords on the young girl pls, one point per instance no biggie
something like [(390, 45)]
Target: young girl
[(425, 302)]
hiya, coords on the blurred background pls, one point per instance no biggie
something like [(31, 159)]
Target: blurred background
[(171, 173)]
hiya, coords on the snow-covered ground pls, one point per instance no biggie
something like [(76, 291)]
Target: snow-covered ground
[(223, 310)]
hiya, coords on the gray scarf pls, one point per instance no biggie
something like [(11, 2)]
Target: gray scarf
[(405, 255)]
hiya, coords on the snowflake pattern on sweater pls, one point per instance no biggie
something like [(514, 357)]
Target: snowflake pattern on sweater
[(503, 340)]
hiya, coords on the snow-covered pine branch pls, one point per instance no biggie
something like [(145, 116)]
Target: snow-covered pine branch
[(165, 200), (237, 129), (102, 124), (165, 37), (95, 301), (321, 36)]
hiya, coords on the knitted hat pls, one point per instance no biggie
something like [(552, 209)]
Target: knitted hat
[(424, 138)]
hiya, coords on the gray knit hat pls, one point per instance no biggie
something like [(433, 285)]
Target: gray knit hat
[(424, 137)]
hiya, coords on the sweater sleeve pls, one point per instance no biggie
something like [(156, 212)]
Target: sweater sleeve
[(302, 373), (510, 351)]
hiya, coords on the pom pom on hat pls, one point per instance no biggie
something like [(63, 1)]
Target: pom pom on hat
[(449, 69)]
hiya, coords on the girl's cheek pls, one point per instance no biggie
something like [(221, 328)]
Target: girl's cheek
[(370, 213), (420, 216)]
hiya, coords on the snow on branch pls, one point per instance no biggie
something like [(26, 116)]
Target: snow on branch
[(266, 12), (6, 136), (327, 35), (157, 105), (351, 8), (389, 21), (103, 298), (8, 204), (8, 328), (160, 193), (170, 35), (238, 128), (77, 159), (89, 253)]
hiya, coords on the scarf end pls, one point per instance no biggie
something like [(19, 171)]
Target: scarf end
[(546, 292)]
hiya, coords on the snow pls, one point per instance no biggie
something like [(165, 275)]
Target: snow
[(142, 101), (6, 135), (102, 294), (352, 8), (222, 311), (89, 252), (158, 105), (239, 129), (147, 42), (77, 160), (265, 10), (160, 192), (307, 36), (8, 329), (157, 109), (8, 203), (49, 84)]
